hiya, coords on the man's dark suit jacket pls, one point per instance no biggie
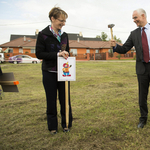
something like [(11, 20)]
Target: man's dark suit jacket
[(134, 40)]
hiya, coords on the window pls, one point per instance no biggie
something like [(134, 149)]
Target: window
[(10, 50), (20, 50), (19, 56), (87, 51), (110, 51), (96, 51), (24, 56), (32, 50), (73, 51)]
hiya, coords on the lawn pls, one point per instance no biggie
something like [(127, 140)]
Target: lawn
[(104, 103)]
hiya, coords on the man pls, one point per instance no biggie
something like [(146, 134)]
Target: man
[(140, 39)]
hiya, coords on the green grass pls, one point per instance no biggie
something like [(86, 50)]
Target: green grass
[(104, 103)]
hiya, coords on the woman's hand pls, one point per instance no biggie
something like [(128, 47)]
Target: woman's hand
[(64, 54)]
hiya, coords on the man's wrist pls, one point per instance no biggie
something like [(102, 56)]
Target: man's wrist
[(114, 48)]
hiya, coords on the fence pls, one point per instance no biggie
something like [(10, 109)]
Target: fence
[(115, 55), (120, 55), (105, 56), (100, 56), (88, 56), (81, 56), (7, 55)]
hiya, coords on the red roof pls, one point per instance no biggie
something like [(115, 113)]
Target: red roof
[(29, 42), (20, 42), (89, 44)]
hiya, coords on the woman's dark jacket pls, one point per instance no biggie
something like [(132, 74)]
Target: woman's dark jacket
[(47, 47)]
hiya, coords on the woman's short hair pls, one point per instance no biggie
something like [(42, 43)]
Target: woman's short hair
[(56, 12)]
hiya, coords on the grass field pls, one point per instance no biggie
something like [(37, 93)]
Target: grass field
[(104, 103)]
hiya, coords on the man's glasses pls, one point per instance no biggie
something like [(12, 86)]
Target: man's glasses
[(62, 21)]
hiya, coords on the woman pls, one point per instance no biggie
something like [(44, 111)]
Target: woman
[(53, 43)]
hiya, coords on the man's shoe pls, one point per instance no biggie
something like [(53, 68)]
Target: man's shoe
[(66, 130), (53, 132), (141, 124)]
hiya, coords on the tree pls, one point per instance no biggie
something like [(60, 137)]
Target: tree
[(98, 36), (117, 39), (103, 36)]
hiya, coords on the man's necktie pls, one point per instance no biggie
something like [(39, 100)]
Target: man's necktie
[(145, 46)]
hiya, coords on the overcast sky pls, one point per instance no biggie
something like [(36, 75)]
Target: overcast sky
[(91, 17)]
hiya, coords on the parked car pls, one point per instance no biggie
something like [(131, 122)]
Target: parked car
[(23, 59)]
